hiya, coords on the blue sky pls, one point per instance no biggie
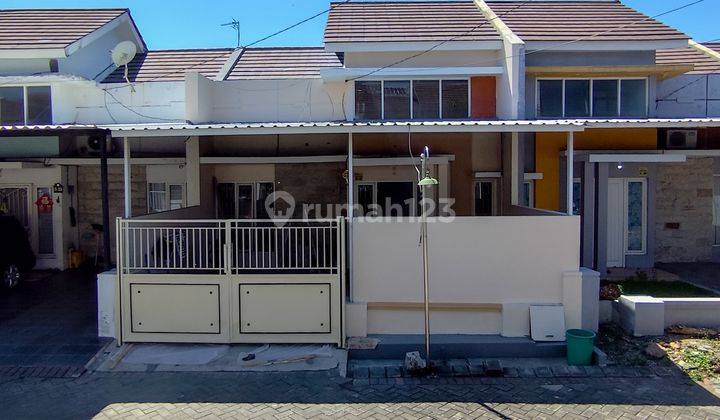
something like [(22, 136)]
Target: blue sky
[(194, 23)]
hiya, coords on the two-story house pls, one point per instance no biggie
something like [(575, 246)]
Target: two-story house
[(203, 147)]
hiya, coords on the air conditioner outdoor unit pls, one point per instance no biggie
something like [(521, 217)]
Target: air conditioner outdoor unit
[(682, 139)]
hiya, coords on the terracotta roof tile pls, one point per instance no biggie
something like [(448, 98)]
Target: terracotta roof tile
[(691, 56), (283, 63), (50, 28), (408, 21), (570, 20), (171, 65)]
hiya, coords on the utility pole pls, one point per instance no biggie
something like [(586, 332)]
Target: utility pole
[(425, 182), (235, 24)]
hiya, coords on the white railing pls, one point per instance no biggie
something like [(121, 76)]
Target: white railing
[(229, 246)]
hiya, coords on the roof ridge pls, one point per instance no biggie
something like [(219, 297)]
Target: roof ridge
[(193, 49), (69, 9)]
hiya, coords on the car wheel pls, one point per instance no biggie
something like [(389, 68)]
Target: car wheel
[(11, 276)]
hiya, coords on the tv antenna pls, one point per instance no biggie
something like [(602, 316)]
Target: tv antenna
[(235, 25)]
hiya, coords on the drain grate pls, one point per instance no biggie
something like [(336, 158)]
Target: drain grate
[(42, 371)]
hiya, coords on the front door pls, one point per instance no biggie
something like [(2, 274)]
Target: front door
[(626, 219), (243, 200)]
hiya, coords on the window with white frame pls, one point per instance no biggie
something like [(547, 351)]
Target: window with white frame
[(412, 99), (596, 98), (25, 105), (528, 197), (164, 197)]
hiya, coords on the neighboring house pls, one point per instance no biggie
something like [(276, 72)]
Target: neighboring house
[(200, 139)]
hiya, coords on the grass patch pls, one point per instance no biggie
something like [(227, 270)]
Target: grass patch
[(660, 289)]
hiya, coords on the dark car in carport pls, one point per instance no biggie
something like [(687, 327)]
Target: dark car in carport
[(16, 254)]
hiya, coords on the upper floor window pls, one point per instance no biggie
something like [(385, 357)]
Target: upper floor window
[(25, 105), (597, 98), (412, 99)]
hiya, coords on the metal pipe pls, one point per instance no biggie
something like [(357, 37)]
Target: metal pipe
[(570, 169), (126, 180), (350, 214), (424, 242)]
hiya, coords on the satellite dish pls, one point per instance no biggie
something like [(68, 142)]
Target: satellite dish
[(123, 53)]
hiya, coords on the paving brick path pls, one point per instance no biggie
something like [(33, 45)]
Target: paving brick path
[(324, 394)]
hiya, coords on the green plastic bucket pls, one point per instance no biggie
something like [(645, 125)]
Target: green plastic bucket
[(580, 345)]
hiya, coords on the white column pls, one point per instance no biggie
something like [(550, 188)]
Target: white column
[(192, 170), (569, 170), (517, 169), (126, 173), (350, 214)]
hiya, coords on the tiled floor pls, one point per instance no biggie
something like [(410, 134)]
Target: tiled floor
[(703, 274), (50, 321)]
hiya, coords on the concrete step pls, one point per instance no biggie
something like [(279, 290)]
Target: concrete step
[(445, 347)]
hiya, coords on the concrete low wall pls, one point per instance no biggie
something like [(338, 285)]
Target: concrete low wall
[(646, 315), (485, 272)]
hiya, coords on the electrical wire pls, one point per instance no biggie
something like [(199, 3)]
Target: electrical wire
[(441, 43)]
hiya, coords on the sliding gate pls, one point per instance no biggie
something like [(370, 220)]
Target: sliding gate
[(231, 281)]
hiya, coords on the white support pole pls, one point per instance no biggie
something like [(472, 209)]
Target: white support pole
[(350, 214), (126, 173), (569, 170), (192, 170)]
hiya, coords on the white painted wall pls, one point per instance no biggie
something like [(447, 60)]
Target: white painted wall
[(432, 59), (474, 260), (691, 95)]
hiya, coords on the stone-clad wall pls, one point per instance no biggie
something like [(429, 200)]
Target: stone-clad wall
[(90, 201), (684, 211), (317, 183)]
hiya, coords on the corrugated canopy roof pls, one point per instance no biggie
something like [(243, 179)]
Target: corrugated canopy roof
[(50, 28), (408, 21), (171, 65), (570, 20), (282, 63), (703, 62)]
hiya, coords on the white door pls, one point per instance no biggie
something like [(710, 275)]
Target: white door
[(627, 219), (616, 223)]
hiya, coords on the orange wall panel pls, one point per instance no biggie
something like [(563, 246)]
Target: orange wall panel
[(482, 97), (548, 147)]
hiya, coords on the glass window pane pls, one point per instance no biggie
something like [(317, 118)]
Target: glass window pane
[(39, 105), (365, 199), (484, 198), (527, 194), (264, 190), (46, 236), (12, 108), (636, 197), (549, 98), (245, 201), (156, 197), (426, 99), (577, 198), (395, 198), (605, 98), (397, 100), (633, 98), (368, 97), (226, 201), (455, 99), (577, 98), (176, 197)]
